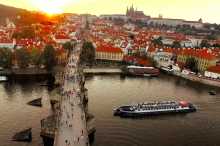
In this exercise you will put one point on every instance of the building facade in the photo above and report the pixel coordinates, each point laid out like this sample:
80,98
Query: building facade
109,53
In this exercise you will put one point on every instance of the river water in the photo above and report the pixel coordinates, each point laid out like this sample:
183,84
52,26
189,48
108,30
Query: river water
201,128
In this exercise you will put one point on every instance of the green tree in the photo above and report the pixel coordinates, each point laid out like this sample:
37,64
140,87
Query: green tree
87,55
35,56
5,58
176,44
49,57
158,41
192,64
68,46
23,57
205,44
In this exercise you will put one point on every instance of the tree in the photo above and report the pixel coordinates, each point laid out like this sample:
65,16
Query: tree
176,44
23,57
192,64
5,58
205,44
35,56
158,41
68,46
216,45
87,55
49,57
211,37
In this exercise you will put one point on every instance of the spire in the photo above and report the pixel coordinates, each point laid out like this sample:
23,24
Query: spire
127,11
132,7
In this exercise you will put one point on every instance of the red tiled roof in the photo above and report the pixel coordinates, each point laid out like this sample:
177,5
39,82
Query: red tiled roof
215,69
61,37
108,48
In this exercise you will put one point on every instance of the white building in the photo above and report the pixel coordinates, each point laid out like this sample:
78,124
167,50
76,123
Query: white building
7,44
213,72
187,43
163,58
175,22
61,39
114,16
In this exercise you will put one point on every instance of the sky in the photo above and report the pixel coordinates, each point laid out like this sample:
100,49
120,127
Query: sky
208,10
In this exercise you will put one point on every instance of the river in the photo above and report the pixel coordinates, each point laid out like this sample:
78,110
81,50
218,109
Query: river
201,128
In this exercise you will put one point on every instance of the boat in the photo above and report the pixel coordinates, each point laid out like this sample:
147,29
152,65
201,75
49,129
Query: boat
3,78
154,108
36,102
166,70
142,71
23,136
212,92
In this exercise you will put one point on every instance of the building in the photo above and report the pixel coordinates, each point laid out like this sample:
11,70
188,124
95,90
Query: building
213,72
204,57
114,17
61,39
165,21
109,53
163,58
134,14
5,43
175,22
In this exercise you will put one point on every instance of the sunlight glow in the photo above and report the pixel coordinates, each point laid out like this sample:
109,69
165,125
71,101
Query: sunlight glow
50,6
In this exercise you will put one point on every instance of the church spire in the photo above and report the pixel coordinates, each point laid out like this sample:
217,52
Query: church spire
132,7
127,11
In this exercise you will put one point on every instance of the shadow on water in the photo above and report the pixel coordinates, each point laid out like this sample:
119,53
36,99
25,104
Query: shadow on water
157,117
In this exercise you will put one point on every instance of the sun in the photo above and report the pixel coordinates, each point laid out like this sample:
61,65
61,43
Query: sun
50,6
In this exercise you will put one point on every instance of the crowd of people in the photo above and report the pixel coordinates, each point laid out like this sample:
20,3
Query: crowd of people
71,109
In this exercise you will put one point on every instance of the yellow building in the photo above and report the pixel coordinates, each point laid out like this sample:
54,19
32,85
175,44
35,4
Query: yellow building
109,53
204,58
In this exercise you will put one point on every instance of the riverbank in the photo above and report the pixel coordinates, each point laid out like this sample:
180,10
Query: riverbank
195,78
101,71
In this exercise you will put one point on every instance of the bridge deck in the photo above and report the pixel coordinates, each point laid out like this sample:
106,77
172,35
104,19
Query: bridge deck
72,127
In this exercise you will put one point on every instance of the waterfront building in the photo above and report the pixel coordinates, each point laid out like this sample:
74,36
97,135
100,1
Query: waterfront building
213,72
204,57
163,58
109,53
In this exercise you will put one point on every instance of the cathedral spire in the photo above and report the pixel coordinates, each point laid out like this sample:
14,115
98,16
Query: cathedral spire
132,7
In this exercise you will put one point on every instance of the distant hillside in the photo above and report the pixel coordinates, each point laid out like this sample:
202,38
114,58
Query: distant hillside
25,17
9,12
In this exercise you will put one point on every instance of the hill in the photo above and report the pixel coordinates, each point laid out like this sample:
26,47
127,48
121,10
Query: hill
9,12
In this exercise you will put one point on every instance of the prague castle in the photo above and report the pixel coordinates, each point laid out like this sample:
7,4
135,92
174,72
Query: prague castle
134,13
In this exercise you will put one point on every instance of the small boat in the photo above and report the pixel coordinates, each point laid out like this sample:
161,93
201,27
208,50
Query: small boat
36,102
212,92
3,78
23,136
154,108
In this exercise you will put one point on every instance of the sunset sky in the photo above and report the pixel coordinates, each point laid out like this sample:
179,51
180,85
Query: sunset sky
208,10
